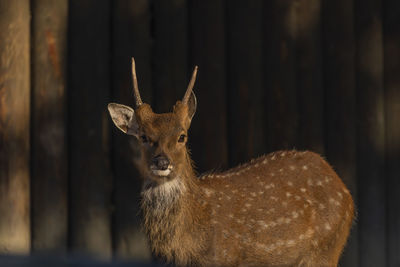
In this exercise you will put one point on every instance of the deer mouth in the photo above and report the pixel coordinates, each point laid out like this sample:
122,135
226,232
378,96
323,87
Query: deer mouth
159,172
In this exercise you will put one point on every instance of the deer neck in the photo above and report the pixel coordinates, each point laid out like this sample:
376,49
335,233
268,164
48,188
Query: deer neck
168,216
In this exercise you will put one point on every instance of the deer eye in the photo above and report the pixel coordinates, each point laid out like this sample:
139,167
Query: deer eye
144,139
181,138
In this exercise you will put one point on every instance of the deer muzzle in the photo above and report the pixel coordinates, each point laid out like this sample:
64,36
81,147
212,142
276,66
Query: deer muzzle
160,166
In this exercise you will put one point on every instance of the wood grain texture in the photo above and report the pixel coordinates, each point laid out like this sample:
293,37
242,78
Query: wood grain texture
370,133
131,36
340,100
208,134
309,76
90,175
14,127
392,129
49,147
280,74
246,93
170,50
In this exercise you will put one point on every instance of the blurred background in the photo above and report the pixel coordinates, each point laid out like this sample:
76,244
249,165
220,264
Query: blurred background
321,75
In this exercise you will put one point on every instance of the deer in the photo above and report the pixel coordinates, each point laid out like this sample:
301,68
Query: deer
286,208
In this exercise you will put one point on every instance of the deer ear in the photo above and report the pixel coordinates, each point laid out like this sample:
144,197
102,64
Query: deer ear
192,105
124,118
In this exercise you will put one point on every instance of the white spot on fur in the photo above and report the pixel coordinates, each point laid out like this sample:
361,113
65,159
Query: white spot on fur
265,161
309,182
208,192
290,183
302,189
288,194
327,226
309,232
271,210
290,243
340,195
292,167
283,154
305,167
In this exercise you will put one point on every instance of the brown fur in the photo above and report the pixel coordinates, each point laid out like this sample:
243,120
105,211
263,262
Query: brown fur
287,208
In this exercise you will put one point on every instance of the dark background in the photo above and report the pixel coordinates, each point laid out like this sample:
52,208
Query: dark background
322,75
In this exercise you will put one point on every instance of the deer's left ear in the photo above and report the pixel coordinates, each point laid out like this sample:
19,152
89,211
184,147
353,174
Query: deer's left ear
124,118
192,105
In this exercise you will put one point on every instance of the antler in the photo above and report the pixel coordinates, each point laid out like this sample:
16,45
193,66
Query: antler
136,94
190,86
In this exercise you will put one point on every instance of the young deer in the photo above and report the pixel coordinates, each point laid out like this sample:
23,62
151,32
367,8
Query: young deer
287,208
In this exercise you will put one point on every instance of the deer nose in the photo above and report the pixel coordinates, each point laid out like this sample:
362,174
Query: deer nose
161,162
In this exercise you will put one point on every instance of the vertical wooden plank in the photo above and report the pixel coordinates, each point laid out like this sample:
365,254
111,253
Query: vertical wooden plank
131,36
309,79
392,133
49,151
339,83
245,80
208,135
14,126
370,133
170,53
280,73
90,179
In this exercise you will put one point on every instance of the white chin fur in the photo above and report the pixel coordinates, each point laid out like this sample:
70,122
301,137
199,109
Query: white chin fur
161,172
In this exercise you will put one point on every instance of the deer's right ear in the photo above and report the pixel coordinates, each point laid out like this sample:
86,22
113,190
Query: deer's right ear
124,118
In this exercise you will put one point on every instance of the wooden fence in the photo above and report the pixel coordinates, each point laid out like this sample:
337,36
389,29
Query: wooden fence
322,75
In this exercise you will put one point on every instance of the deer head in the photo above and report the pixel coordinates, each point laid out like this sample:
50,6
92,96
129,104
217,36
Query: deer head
162,137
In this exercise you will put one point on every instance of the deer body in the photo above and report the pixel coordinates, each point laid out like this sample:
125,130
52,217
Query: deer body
287,208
